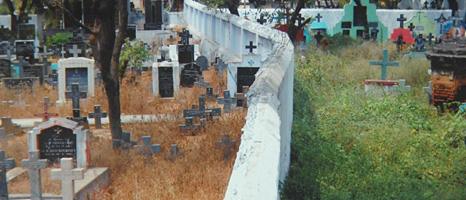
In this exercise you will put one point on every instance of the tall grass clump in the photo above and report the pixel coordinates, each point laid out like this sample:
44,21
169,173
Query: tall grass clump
348,145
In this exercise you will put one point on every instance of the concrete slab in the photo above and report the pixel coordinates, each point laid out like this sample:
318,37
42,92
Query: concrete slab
94,180
14,173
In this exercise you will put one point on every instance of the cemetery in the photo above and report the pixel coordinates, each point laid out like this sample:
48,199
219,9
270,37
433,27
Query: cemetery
305,99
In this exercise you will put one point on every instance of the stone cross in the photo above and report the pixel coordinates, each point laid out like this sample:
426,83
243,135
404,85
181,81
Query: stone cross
5,164
251,47
189,125
430,37
147,148
318,17
227,144
241,98
76,95
384,64
401,19
411,27
227,101
34,164
261,20
98,114
62,51
300,19
67,174
46,115
202,112
75,51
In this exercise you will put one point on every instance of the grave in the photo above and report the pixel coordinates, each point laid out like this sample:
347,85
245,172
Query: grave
5,164
67,175
60,138
75,94
189,74
318,25
165,79
401,35
10,127
24,48
46,115
72,70
153,14
97,115
201,111
147,148
244,73
202,62
384,64
5,68
227,101
33,164
423,24
358,16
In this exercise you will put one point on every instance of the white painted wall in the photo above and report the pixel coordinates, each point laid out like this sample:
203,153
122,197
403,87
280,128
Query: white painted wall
264,154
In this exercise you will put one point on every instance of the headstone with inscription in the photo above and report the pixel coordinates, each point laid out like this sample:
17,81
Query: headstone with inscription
75,70
60,138
165,79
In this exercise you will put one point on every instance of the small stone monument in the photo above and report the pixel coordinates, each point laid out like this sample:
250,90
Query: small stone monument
67,175
165,79
75,70
98,115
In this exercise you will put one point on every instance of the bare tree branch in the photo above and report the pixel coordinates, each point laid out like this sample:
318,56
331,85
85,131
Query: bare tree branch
68,13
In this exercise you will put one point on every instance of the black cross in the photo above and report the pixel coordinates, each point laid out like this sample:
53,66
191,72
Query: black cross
433,4
5,164
227,101
411,27
97,114
189,125
261,20
202,112
401,19
287,15
251,47
430,37
318,17
185,35
441,19
300,19
76,95
426,5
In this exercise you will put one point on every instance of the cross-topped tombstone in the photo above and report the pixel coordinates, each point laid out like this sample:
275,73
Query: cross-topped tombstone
227,101
433,4
5,164
33,165
185,35
384,64
251,47
147,148
189,125
209,92
75,51
227,144
261,20
401,19
98,115
318,17
46,115
3,139
67,174
76,95
241,98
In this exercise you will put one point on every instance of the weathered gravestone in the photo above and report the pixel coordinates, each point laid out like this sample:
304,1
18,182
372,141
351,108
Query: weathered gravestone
5,164
358,14
202,62
185,54
33,165
60,138
97,115
201,111
165,79
189,74
24,48
153,14
75,70
75,94
189,125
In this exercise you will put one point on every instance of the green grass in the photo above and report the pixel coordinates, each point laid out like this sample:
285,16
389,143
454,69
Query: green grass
347,145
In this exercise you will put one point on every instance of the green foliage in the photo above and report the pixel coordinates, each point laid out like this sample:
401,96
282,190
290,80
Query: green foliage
347,145
133,55
59,39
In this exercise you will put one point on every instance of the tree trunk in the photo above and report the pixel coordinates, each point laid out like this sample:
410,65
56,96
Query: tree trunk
11,9
108,54
233,7
292,28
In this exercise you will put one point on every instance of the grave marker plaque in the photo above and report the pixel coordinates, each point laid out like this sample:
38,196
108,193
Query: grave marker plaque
185,54
166,88
76,75
56,142
246,76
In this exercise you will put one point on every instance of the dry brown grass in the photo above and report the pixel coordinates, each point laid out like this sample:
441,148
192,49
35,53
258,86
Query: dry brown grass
198,173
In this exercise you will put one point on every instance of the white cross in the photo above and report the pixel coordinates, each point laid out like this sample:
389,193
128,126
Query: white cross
75,51
33,164
67,175
63,52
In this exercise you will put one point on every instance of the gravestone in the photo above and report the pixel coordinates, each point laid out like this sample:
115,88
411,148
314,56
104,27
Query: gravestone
189,74
75,94
67,174
201,111
244,73
60,138
227,101
75,51
189,125
26,31
202,62
174,151
153,14
98,115
5,164
318,25
185,54
25,48
384,64
75,70
33,165
357,16
165,79
147,148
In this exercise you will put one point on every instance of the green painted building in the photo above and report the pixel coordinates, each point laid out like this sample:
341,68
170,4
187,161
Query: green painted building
423,25
359,20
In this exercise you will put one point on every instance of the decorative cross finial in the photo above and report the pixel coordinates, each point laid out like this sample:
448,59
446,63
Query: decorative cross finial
75,50
401,19
300,19
426,5
411,27
384,64
5,164
34,164
261,20
227,101
251,47
319,17
67,174
98,115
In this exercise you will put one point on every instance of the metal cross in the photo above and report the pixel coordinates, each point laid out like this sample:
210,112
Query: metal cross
384,64
46,115
202,112
98,115
147,148
319,17
251,47
76,95
401,19
185,35
426,5
411,27
261,20
189,125
227,101
75,51
67,174
227,144
5,164
300,19
34,164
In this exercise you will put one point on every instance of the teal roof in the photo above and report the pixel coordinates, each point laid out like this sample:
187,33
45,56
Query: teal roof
318,25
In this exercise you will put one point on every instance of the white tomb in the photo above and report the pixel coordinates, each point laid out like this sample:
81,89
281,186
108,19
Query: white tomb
167,74
72,70
243,73
49,134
